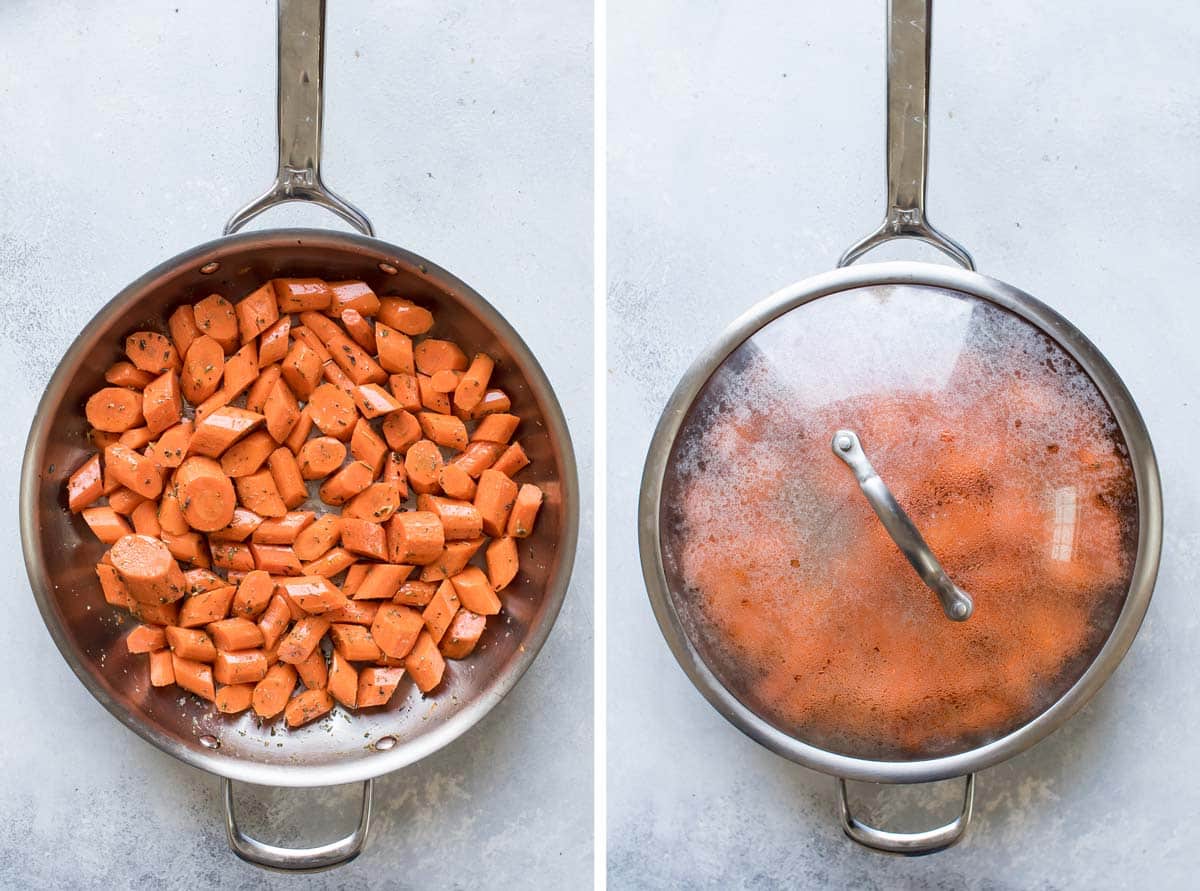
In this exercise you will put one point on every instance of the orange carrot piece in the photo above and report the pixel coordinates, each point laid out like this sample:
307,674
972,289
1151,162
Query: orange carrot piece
377,684
256,312
359,329
276,559
333,411
499,427
241,370
151,352
260,389
524,512
425,663
162,668
513,459
273,343
221,429
307,707
85,485
495,498
451,561
382,581
238,633
162,402
283,530
281,410
259,493
240,666
316,539
440,612
247,455
415,593
502,562
253,595
445,430
303,639
320,457
346,483
330,563
233,699
301,294
374,401
478,457
461,520
148,570
301,369
473,384
355,643
367,446
343,680
405,316
274,620
240,528
395,350
475,592
415,537
462,635
354,295
146,639
106,524
206,607
195,677
145,519
205,493
203,367
375,503
313,594
432,355
183,328
407,390
401,429
231,556
422,464
272,692
216,317
456,482
285,471
114,409
432,398
364,538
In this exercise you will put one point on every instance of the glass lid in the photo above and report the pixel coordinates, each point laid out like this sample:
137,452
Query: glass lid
898,522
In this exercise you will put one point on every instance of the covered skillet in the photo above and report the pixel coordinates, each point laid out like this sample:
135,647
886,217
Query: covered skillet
902,520
59,554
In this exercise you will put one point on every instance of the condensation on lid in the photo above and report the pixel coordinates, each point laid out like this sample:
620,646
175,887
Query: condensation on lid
1002,451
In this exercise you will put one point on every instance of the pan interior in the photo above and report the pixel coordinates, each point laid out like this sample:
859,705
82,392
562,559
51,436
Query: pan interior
995,441
61,553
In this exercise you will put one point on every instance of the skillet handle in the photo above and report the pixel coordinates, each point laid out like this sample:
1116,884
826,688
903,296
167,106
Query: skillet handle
297,859
909,843
908,42
301,101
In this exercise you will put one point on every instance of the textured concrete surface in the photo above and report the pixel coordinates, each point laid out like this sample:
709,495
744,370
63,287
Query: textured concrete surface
127,135
746,151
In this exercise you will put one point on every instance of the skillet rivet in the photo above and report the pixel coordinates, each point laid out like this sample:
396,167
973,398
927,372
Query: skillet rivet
384,743
210,268
210,742
388,268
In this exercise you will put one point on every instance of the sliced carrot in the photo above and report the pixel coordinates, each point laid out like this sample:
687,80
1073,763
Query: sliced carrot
114,590
205,493
395,350
346,483
374,401
320,457
461,520
354,295
106,524
502,562
256,396
183,328
124,500
495,498
285,471
187,548
462,635
216,401
401,429
354,642
313,673
478,457
316,539
147,568
256,312
221,429
283,530
432,355
313,594
133,470
202,580
307,707
259,493
171,447
238,633
367,446
248,455
240,666
273,343
155,613
451,561
162,668
253,595
145,519
170,512
330,563
416,593
445,381
499,427
513,459
203,367
375,503
233,699
343,680
440,611
405,316
524,512
85,486
473,384
415,537
195,677
232,556
432,398
359,329
394,473
271,694
240,528
377,685
301,294
355,612
302,369
151,352
190,643
445,430
137,438
216,317
493,401
303,639
364,538
114,409
126,374
198,610
241,370
422,464
456,482
382,581
274,620
407,390
276,559
425,663
333,411
281,410
475,592
299,434
145,639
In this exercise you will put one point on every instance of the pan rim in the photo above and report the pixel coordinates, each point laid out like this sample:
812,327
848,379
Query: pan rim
1120,638
409,751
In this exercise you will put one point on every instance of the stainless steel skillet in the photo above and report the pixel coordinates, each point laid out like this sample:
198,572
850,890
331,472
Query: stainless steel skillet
60,553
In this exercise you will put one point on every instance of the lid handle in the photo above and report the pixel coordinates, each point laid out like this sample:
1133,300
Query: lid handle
956,602
908,41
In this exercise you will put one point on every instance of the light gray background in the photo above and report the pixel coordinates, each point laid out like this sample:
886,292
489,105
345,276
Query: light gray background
129,133
746,152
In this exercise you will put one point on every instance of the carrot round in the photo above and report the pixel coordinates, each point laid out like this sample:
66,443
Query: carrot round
203,367
162,402
205,493
422,463
415,537
401,429
333,411
151,352
320,457
346,483
253,594
147,568
216,317
114,409
272,692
